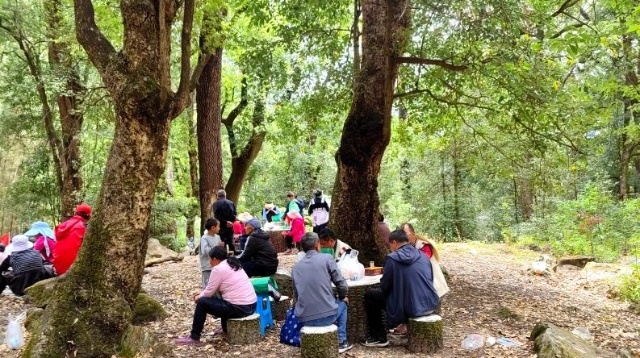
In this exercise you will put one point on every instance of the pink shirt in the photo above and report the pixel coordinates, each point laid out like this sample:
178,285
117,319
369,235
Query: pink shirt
234,286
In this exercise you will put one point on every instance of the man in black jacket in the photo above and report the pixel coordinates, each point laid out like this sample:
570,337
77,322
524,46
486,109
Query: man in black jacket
225,211
259,257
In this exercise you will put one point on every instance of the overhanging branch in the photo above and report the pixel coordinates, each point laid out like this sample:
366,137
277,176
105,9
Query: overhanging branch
427,61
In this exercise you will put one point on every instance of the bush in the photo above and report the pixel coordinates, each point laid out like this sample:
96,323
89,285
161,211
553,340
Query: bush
630,288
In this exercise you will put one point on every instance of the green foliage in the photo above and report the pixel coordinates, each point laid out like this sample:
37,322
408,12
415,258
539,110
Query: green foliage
630,286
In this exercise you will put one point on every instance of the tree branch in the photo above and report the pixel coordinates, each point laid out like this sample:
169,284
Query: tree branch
185,65
98,48
240,107
449,102
426,61
567,4
195,76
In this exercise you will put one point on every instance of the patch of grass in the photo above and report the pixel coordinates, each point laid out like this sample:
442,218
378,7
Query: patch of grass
505,313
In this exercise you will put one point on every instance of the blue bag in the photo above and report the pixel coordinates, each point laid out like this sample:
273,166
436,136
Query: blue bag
290,332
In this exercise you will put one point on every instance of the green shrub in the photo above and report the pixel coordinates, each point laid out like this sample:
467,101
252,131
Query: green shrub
630,288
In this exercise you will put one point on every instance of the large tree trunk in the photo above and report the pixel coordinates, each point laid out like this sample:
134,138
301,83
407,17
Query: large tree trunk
241,160
192,152
92,305
367,130
209,139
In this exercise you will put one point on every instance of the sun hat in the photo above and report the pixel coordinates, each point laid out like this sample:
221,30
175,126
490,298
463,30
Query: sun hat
83,209
42,228
268,206
244,217
19,243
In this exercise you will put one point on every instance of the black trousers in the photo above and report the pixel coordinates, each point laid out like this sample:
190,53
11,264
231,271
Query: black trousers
374,305
227,237
218,308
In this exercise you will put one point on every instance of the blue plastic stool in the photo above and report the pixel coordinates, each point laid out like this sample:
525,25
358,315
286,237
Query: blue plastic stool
263,308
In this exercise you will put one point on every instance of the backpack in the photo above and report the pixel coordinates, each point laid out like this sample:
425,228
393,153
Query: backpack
300,203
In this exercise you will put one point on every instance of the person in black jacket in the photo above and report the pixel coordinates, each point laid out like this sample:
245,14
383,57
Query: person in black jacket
225,211
27,266
259,257
406,290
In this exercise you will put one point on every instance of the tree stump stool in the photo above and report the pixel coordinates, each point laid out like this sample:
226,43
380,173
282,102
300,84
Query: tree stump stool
279,309
244,330
319,342
425,334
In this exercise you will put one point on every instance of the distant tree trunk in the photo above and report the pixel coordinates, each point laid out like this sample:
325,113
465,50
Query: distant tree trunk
93,302
192,152
628,144
71,116
525,191
242,159
457,216
209,137
367,129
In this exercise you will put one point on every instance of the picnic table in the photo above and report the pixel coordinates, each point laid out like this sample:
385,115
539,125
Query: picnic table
356,315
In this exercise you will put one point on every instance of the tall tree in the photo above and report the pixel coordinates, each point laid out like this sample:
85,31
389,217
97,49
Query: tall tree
367,130
92,305
65,145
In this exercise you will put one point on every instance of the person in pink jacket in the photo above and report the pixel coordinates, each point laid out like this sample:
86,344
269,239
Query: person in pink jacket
296,232
228,281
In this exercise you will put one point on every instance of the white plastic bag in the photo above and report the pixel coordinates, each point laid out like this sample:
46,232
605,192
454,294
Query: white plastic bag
439,282
350,267
14,337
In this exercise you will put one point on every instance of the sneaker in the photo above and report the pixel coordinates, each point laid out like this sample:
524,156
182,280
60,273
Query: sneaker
400,330
372,342
344,346
274,293
188,341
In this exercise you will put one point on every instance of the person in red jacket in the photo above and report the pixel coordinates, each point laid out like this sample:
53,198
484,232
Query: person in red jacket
69,236
296,232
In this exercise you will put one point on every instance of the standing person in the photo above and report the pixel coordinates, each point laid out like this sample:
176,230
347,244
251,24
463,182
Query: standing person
294,235
406,290
208,241
238,296
69,235
319,211
259,257
27,266
294,204
225,211
45,239
332,246
316,305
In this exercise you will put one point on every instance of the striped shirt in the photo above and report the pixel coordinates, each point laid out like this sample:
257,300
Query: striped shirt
22,261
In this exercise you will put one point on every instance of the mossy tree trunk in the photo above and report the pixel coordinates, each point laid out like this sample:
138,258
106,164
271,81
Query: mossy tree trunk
367,130
92,305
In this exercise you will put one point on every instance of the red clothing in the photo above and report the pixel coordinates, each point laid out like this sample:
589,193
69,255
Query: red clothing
69,235
238,228
297,229
39,246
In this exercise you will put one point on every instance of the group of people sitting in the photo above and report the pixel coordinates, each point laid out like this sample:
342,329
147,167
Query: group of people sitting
407,288
41,253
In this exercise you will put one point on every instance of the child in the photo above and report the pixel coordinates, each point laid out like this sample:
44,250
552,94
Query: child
209,240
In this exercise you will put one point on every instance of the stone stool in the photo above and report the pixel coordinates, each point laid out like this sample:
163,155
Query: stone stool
244,330
319,342
279,309
424,334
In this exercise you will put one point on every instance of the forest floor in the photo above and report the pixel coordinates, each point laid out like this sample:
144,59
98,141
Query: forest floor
491,294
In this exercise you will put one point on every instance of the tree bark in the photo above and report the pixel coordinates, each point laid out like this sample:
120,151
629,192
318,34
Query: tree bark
241,160
209,138
192,152
93,304
367,129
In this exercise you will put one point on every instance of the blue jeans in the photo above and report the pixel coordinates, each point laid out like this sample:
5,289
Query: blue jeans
340,319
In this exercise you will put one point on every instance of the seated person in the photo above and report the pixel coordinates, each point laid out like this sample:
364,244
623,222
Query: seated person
269,212
232,283
292,236
406,290
332,246
27,266
259,257
45,240
316,305
3,253
420,242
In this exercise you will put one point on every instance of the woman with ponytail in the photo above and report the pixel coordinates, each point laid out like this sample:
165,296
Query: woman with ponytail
229,294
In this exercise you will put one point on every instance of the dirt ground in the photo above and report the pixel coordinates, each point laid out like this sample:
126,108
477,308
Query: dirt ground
491,294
